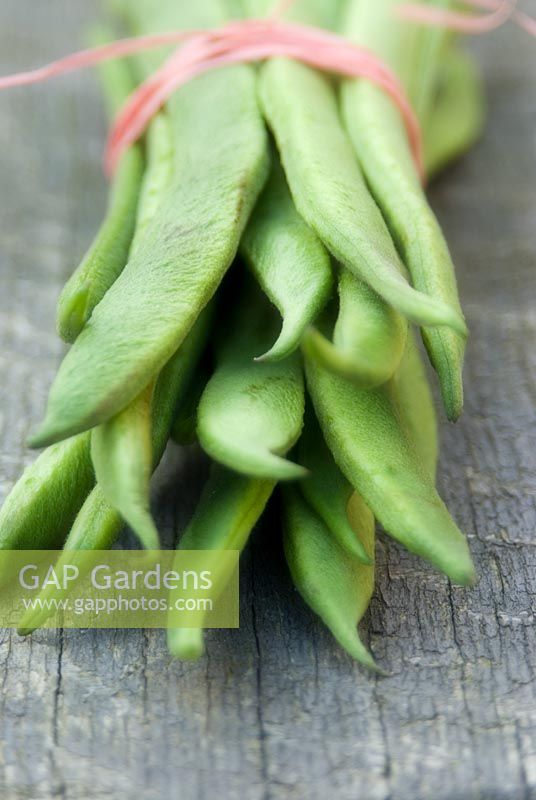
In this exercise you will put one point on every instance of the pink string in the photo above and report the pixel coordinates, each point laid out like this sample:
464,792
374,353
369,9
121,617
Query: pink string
519,17
238,42
94,56
248,42
500,12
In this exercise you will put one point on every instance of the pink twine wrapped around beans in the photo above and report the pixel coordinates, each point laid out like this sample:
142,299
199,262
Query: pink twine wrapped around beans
244,41
256,40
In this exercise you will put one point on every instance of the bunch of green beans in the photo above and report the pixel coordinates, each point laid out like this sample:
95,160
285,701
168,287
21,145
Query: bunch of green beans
302,368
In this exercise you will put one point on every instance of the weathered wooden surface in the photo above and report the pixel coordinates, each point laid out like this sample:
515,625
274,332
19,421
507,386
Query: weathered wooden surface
276,710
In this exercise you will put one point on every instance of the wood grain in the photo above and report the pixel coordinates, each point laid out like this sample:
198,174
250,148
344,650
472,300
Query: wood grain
275,710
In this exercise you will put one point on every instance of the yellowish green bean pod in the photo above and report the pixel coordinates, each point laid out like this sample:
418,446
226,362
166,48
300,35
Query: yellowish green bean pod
224,518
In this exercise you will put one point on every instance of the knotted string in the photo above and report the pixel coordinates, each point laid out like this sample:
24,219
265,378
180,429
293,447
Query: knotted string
245,41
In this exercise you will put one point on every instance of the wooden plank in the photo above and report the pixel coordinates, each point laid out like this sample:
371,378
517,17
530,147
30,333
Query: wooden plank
276,710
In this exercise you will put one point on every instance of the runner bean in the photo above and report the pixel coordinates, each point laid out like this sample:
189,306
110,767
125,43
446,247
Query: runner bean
417,409
108,254
251,413
181,259
41,507
368,338
98,524
121,451
363,430
329,190
380,141
335,584
158,174
289,261
225,516
121,447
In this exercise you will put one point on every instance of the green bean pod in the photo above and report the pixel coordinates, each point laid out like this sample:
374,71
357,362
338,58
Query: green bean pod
41,507
289,262
225,516
183,255
95,528
251,413
327,491
381,144
121,448
368,337
108,254
371,334
329,190
457,117
171,387
122,454
335,584
98,524
364,431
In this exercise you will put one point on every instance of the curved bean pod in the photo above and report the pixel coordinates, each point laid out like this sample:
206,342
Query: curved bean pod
98,524
225,516
330,192
180,261
332,582
380,142
363,431
121,447
122,454
364,318
251,413
289,262
368,339
108,254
